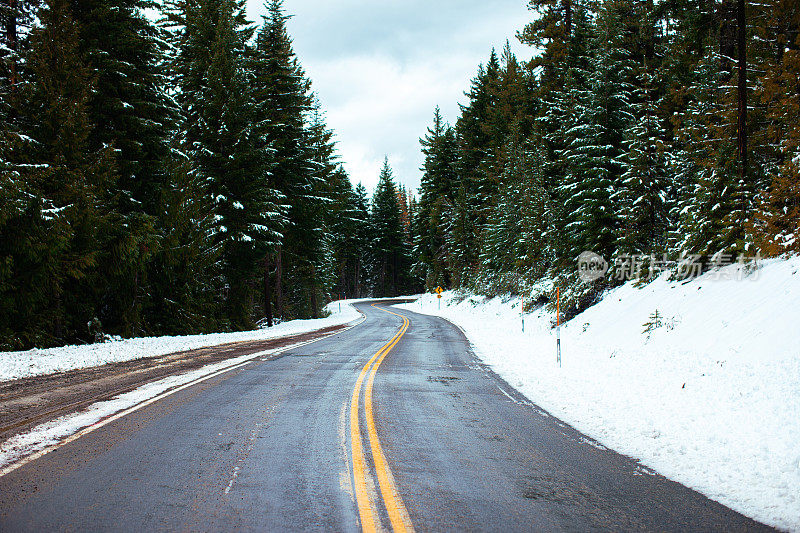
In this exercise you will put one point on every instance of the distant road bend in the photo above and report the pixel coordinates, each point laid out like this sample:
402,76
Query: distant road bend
391,425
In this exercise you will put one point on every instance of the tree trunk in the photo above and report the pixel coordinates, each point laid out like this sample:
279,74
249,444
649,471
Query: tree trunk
279,282
314,300
267,292
343,289
726,16
568,19
11,38
357,279
382,279
742,89
395,274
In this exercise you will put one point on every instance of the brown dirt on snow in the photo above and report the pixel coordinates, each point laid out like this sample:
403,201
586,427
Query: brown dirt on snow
27,402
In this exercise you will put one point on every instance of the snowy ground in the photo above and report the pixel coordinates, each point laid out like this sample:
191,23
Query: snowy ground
710,399
47,436
14,365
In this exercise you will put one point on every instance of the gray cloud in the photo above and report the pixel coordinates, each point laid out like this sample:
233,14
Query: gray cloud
380,68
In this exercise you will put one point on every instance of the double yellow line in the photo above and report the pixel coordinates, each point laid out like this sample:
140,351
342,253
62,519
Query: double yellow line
398,514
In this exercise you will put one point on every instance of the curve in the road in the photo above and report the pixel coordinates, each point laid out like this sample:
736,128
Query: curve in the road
398,514
267,447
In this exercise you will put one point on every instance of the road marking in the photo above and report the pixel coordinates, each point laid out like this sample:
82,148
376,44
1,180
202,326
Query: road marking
365,509
398,514
516,401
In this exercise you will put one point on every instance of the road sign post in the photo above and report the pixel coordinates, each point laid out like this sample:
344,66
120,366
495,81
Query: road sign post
522,313
439,291
558,326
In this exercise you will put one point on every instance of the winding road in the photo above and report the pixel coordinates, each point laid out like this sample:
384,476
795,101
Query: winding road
390,425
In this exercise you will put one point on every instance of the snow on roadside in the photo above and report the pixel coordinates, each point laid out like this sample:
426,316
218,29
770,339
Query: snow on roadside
710,399
48,435
15,365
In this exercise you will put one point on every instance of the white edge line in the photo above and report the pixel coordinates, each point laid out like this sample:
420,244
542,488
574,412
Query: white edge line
97,425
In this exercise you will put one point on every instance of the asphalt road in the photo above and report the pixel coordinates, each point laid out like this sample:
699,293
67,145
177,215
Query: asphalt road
392,424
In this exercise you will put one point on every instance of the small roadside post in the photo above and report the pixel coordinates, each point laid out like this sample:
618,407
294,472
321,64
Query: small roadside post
558,326
439,291
522,313
341,296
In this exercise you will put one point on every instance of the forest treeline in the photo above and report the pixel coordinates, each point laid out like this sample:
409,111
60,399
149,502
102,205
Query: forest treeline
179,176
666,128
173,177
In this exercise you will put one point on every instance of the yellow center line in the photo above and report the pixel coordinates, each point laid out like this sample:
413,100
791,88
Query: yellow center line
365,509
398,514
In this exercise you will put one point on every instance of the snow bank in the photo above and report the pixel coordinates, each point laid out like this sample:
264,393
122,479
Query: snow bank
47,436
711,398
14,365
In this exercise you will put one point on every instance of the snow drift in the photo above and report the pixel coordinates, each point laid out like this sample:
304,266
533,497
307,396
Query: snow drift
14,365
708,394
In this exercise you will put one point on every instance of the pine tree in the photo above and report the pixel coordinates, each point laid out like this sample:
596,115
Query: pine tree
130,105
66,181
342,225
282,95
474,166
705,164
388,245
777,145
223,138
437,190
516,238
307,243
592,152
361,241
552,32
646,196
132,113
185,269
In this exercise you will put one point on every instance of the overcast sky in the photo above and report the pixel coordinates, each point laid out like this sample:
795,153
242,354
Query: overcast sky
380,67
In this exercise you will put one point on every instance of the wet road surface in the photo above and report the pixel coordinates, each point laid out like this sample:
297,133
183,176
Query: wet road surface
392,424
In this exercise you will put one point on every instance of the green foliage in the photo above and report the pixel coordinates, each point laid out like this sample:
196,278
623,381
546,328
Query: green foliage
389,245
620,137
168,178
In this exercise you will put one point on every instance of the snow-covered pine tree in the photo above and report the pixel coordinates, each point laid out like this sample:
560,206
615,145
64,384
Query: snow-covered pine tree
67,181
561,84
19,204
132,113
222,138
361,241
130,105
705,168
307,244
776,145
716,202
436,190
516,239
343,219
184,276
646,196
475,154
283,99
594,143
